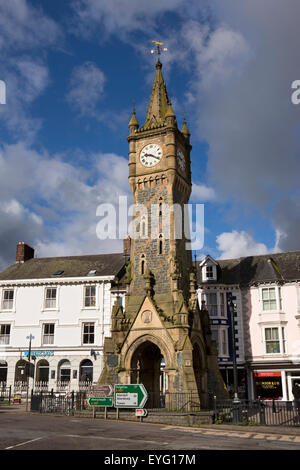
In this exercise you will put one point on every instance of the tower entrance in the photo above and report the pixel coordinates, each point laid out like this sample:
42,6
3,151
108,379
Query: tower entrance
147,368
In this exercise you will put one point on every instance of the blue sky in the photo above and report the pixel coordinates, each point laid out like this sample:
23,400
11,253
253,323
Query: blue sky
72,71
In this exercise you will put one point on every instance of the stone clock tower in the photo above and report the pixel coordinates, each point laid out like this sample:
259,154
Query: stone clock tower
161,338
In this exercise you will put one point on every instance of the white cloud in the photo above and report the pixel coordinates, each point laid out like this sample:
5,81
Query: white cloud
202,193
86,88
119,17
23,26
47,183
237,244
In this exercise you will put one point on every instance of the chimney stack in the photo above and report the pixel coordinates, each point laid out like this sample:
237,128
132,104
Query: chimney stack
127,245
24,252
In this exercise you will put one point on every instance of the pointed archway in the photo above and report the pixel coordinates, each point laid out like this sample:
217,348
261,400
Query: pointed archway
146,368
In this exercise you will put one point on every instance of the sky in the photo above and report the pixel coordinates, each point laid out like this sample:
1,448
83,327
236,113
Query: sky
72,72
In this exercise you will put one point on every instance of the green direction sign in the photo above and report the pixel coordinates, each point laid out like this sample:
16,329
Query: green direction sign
100,401
130,396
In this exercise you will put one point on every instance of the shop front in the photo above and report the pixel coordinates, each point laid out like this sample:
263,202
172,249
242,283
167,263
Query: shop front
268,385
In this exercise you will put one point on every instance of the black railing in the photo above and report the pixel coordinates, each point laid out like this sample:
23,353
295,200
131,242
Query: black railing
243,412
5,395
256,412
58,402
176,402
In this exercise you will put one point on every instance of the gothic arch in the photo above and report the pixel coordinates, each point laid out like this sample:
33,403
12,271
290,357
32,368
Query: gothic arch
142,339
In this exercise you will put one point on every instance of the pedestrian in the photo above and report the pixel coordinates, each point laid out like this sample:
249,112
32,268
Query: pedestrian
296,393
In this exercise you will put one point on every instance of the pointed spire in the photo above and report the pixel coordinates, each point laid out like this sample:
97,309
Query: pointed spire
133,121
170,111
185,130
159,101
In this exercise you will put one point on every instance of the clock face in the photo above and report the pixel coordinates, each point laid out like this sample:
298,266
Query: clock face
150,155
180,159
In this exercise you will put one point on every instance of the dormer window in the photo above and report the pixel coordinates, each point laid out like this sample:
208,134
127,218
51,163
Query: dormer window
209,269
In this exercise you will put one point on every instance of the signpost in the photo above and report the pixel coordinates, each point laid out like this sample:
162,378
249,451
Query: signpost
124,396
101,390
130,396
101,395
100,401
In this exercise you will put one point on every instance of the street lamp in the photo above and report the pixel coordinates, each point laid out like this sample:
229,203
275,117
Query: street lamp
30,337
236,401
234,366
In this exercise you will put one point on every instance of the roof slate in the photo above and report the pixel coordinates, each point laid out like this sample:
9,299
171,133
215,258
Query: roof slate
72,266
251,269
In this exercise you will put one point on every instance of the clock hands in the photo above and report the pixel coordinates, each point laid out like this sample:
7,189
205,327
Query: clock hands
150,155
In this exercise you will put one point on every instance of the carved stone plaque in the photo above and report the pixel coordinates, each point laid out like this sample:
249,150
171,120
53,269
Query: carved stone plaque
147,316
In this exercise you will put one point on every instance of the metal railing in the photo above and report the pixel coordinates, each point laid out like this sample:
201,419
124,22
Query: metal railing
173,402
256,412
58,402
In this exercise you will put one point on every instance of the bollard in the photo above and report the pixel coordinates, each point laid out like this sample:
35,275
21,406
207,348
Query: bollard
262,417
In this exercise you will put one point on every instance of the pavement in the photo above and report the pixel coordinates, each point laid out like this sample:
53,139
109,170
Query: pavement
34,431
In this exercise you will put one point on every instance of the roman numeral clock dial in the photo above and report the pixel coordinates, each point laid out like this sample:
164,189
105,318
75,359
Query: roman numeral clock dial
150,155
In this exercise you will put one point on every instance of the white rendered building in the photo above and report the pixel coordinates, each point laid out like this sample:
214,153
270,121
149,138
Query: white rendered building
65,304
266,292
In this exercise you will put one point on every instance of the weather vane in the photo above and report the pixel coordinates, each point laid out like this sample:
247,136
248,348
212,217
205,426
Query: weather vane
158,49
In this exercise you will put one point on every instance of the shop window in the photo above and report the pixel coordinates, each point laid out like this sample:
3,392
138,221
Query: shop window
3,371
268,385
42,371
86,371
65,371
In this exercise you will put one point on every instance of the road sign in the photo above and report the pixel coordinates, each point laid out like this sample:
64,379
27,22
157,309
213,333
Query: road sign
130,396
100,401
101,390
141,412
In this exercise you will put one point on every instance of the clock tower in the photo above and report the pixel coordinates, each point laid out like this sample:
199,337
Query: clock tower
161,338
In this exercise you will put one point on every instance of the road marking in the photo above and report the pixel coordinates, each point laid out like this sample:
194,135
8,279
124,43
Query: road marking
241,434
23,443
113,439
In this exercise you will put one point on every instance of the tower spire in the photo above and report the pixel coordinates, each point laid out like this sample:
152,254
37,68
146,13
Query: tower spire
159,103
